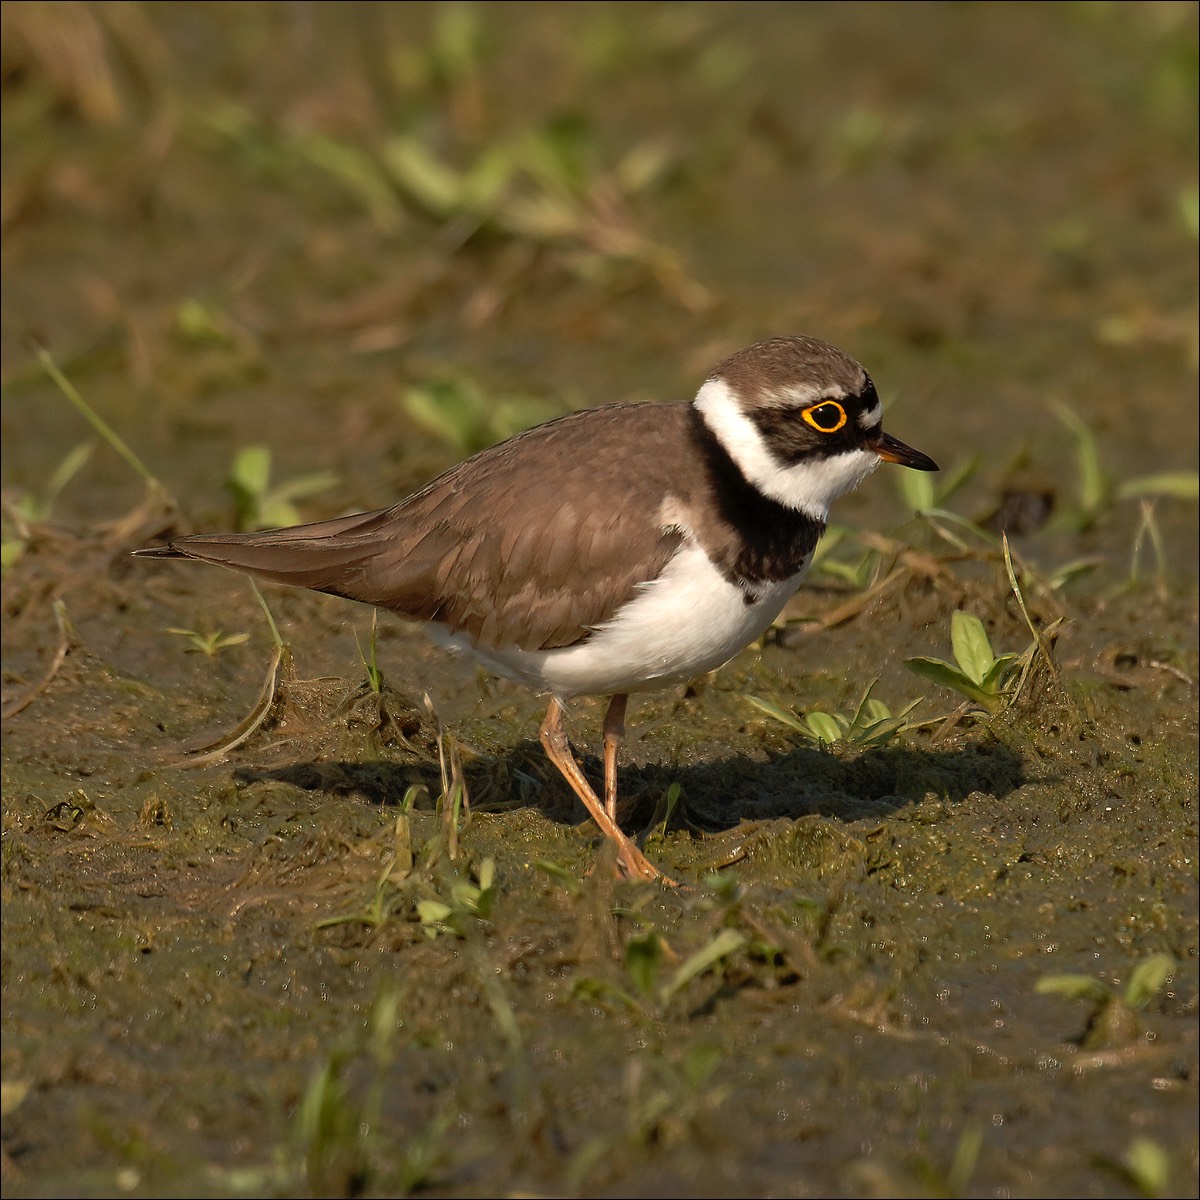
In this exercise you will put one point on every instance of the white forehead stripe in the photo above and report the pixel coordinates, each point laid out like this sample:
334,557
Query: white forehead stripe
800,394
870,418
810,487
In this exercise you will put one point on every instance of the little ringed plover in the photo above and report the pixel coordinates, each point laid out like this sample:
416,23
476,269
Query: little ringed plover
613,550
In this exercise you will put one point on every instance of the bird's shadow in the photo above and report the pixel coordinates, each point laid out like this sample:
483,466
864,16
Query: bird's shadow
715,795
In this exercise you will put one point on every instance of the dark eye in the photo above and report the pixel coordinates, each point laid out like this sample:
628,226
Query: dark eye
828,416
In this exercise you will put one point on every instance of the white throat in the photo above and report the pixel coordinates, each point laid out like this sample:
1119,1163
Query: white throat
809,487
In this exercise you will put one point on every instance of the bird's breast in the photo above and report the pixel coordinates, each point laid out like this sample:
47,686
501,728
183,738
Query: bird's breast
690,620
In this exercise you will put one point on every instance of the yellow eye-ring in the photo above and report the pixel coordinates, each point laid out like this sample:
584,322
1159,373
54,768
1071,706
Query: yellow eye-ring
828,416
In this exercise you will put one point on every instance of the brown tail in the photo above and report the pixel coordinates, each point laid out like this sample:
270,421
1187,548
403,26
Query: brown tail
323,555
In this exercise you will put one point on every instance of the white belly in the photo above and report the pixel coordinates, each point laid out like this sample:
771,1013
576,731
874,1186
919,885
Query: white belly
688,621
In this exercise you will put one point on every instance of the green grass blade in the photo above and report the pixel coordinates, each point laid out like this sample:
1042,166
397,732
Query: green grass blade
724,944
97,422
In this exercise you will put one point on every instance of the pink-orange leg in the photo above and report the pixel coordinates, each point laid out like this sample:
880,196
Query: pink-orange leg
630,860
614,731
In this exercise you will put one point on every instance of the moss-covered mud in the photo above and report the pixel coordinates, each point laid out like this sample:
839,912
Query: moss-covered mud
285,969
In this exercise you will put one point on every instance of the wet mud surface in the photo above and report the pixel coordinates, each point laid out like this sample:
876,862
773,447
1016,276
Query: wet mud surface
254,941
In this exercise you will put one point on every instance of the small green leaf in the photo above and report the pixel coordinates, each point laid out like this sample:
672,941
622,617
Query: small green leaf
879,733
941,672
251,470
545,217
643,167
559,874
10,552
591,988
1063,575
1149,1167
947,676
972,650
305,485
855,574
487,874
203,323
465,895
1147,979
860,713
1074,987
489,179
454,411
824,728
437,188
670,804
559,153
358,172
966,1158
998,672
12,1095
1180,485
433,912
643,960
783,715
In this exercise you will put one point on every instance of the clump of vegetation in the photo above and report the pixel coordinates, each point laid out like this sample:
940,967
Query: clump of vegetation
1145,1165
333,1146
258,504
458,412
978,673
654,973
466,900
870,725
30,509
25,512
1113,1020
208,643
429,881
1098,490
375,681
547,187
665,1097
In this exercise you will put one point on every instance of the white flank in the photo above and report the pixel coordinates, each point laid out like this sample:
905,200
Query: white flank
688,621
809,487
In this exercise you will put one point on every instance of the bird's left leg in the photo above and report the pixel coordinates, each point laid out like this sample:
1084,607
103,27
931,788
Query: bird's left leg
614,731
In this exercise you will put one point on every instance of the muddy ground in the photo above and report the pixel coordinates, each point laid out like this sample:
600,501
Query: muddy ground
371,238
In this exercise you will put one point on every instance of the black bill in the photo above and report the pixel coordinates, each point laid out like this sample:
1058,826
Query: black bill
893,450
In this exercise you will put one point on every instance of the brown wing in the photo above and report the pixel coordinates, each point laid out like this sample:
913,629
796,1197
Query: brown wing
532,542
